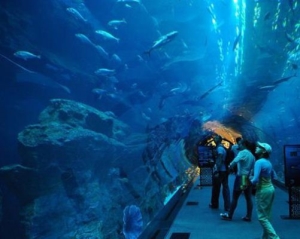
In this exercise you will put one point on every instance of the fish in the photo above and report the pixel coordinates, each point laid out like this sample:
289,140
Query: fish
291,5
145,117
76,14
107,36
180,89
83,38
209,9
267,87
25,55
236,41
116,59
289,37
164,97
133,86
116,23
294,66
105,72
98,93
163,40
276,82
210,90
176,89
128,1
101,51
141,93
140,58
267,16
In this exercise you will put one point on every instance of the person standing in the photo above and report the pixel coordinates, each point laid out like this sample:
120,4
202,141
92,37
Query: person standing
265,191
235,148
220,176
245,162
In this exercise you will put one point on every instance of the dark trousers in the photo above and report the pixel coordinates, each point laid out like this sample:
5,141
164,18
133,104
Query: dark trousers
222,179
236,194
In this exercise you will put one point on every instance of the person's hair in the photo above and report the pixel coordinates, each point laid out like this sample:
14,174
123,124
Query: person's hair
249,145
238,139
218,137
265,155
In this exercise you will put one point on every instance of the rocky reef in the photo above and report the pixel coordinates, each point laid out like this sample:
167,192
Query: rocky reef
81,168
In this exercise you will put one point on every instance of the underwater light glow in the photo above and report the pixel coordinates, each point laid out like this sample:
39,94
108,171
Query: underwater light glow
276,17
211,9
213,21
218,128
240,14
256,15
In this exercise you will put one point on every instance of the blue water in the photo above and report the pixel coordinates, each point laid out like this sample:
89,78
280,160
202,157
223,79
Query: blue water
164,90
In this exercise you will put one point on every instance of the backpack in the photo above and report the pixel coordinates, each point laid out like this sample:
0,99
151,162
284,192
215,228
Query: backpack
229,156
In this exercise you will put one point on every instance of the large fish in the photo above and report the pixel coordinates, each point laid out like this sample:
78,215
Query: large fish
210,90
128,1
76,14
116,23
267,87
101,51
236,41
276,82
289,37
105,72
83,38
26,55
163,40
107,36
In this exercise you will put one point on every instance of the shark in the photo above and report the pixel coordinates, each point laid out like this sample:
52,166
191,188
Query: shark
163,40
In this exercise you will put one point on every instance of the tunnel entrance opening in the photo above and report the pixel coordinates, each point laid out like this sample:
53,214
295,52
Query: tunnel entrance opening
209,129
214,127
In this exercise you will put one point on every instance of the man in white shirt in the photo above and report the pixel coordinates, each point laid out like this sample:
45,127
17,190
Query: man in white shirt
245,163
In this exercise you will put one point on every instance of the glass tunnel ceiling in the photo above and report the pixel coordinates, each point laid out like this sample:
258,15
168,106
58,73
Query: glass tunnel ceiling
265,53
255,51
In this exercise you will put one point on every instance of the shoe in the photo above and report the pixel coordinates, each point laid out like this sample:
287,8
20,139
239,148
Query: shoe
246,219
225,216
212,206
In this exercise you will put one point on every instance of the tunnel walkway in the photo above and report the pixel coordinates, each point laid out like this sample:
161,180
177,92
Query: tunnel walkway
195,220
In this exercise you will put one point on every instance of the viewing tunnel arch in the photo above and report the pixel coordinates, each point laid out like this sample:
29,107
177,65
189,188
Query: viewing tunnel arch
200,133
229,128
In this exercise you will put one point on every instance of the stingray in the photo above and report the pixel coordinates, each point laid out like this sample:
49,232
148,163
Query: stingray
35,77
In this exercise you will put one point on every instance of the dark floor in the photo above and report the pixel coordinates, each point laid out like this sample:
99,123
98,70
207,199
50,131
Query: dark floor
196,220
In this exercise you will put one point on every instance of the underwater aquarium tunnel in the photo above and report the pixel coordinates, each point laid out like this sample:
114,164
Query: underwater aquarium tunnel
104,103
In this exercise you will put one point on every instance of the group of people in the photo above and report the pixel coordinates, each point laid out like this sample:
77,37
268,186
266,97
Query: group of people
253,170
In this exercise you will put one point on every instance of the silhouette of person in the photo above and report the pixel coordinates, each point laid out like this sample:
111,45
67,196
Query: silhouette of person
220,176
